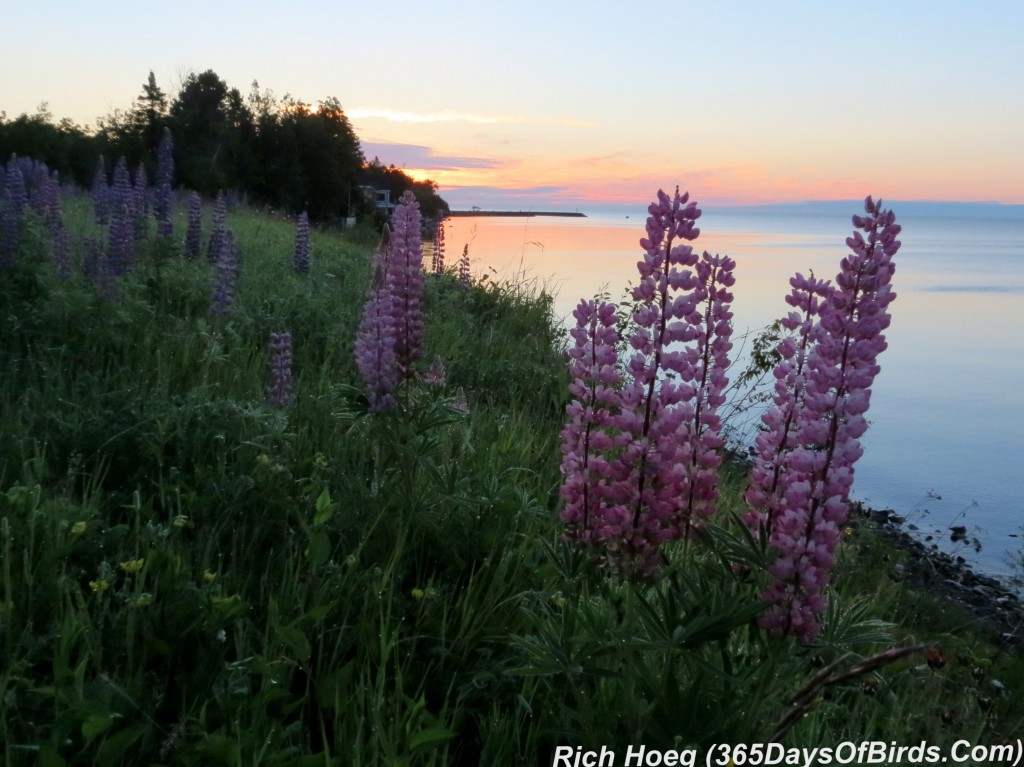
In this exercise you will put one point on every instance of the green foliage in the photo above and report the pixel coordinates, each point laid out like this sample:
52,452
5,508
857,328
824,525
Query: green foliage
280,152
64,146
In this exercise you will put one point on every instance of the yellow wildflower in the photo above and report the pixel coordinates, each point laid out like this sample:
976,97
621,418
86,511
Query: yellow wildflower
132,565
209,576
100,584
78,528
418,593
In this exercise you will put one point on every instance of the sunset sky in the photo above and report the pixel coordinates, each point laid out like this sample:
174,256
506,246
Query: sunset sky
573,104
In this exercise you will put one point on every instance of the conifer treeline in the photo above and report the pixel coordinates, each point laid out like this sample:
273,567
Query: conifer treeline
279,151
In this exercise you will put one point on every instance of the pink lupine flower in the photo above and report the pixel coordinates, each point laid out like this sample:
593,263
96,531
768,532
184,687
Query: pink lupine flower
376,338
390,335
641,450
775,444
437,258
804,490
465,279
589,488
668,405
404,278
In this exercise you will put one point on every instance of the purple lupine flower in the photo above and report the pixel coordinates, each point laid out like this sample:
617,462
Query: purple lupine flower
227,269
464,277
194,233
300,258
773,445
13,200
641,454
376,338
817,474
121,241
703,426
101,195
164,184
37,185
437,260
53,216
33,174
656,399
15,187
123,196
404,276
279,392
594,510
220,217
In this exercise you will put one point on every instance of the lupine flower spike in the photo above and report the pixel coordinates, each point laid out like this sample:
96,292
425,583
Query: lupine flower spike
641,451
220,218
279,392
300,258
465,279
227,275
404,277
804,491
437,261
121,240
376,337
592,487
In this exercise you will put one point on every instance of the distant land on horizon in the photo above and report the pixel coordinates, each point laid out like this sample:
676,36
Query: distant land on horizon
520,213
914,208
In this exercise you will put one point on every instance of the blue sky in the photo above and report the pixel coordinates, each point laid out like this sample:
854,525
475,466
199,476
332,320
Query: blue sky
569,104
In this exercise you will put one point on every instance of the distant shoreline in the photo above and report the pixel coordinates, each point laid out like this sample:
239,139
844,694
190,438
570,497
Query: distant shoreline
520,213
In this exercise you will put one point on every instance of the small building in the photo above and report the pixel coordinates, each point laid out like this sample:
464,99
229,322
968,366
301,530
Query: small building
381,198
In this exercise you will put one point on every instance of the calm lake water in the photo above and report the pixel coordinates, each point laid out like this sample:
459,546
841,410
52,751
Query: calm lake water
947,411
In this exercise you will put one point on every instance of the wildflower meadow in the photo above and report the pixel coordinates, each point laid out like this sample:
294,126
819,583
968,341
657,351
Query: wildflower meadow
275,494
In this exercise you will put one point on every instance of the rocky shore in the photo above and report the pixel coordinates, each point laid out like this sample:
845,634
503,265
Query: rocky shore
998,608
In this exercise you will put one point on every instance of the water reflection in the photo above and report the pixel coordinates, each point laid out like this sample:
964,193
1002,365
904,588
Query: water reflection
947,410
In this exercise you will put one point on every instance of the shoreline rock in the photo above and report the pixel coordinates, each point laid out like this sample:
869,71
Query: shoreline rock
996,605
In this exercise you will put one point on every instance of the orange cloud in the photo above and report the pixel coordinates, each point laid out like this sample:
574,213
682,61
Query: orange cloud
629,177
